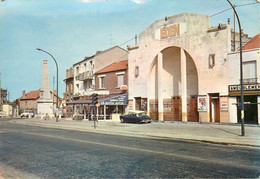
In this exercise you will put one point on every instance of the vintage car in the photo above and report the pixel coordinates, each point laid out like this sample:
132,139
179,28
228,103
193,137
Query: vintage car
136,117
27,114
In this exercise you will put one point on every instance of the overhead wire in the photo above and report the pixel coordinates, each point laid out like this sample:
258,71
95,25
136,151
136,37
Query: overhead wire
234,6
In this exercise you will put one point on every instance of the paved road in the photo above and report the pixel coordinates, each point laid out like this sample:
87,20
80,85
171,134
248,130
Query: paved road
35,152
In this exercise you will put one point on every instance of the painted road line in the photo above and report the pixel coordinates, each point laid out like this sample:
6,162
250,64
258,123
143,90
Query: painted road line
194,158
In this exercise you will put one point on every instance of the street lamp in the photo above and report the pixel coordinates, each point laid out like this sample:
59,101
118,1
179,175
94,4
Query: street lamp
57,102
241,74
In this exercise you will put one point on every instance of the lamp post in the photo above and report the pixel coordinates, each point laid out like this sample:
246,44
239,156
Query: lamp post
57,102
241,73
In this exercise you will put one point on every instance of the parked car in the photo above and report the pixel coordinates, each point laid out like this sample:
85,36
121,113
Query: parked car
136,117
27,114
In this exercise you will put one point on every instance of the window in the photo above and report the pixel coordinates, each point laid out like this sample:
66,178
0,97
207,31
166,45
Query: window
249,72
102,82
211,60
77,85
67,89
77,70
120,80
136,71
85,85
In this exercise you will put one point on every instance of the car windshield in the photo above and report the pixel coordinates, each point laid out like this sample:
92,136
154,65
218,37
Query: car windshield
140,114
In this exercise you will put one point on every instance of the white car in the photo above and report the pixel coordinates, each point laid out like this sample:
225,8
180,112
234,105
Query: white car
27,114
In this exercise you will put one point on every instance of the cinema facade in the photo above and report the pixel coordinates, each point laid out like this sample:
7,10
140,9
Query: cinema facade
180,71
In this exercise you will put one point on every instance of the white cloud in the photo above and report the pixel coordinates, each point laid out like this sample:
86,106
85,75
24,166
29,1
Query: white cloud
139,1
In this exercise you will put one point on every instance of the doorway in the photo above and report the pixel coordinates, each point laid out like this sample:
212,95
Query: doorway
214,107
250,105
138,103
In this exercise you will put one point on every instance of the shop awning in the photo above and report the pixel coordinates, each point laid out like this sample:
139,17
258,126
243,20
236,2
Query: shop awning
116,100
109,100
80,102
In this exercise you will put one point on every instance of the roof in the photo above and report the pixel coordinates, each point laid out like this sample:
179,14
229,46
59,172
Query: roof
99,52
31,95
253,43
121,65
85,59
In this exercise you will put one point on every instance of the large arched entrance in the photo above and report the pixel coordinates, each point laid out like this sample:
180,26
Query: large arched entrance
173,86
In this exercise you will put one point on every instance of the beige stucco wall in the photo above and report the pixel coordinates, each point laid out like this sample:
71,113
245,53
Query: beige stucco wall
7,109
198,40
108,57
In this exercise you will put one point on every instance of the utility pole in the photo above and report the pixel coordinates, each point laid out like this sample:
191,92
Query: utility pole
234,37
0,94
53,93
241,74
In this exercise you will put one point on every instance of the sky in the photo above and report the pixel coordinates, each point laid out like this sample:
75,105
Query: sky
73,29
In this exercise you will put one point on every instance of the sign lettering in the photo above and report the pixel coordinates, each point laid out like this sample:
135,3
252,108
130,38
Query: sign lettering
253,87
170,31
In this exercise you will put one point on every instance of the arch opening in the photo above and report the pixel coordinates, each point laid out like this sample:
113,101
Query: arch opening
173,86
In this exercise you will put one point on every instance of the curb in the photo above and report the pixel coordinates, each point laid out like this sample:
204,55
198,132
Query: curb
133,135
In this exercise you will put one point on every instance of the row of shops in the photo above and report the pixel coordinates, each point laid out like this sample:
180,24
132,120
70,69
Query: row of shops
109,107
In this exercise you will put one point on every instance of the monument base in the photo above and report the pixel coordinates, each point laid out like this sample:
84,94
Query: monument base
45,109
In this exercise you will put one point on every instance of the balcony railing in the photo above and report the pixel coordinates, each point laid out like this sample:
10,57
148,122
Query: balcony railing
85,76
250,81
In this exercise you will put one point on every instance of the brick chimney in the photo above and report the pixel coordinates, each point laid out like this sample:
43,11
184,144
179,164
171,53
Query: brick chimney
23,93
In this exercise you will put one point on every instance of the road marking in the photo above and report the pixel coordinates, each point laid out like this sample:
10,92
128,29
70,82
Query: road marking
217,161
3,131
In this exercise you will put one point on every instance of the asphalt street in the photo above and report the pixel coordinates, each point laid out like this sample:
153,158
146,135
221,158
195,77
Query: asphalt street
37,152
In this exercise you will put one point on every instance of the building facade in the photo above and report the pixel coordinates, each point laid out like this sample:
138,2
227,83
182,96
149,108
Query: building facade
68,95
113,80
85,82
251,76
28,101
180,70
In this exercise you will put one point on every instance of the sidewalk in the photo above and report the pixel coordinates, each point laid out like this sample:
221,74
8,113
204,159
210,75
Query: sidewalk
212,132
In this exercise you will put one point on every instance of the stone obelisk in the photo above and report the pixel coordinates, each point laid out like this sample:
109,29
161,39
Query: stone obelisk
45,103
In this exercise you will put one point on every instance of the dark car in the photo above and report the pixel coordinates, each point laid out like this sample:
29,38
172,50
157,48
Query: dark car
136,117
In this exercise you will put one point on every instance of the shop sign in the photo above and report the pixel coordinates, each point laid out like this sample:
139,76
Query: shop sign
170,30
253,89
117,100
131,104
123,87
202,103
224,104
